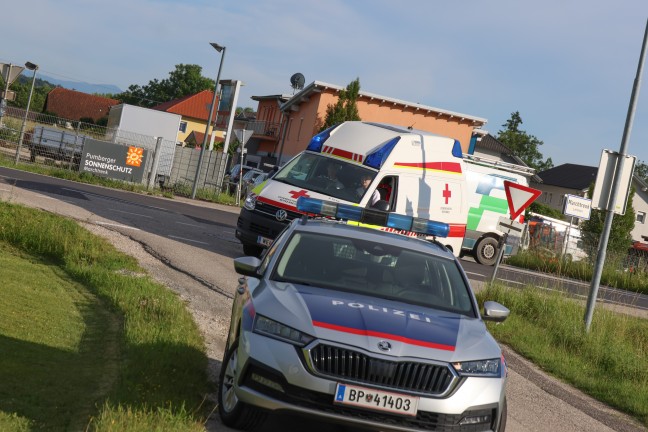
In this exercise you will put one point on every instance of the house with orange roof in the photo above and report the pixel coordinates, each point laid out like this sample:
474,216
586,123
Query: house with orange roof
194,110
76,105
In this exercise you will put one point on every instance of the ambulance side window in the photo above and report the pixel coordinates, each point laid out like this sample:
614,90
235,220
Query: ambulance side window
388,188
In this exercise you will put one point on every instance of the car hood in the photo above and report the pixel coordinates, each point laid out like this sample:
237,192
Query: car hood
363,321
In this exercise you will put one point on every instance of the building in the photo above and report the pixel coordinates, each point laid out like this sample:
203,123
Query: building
573,179
287,123
194,110
76,105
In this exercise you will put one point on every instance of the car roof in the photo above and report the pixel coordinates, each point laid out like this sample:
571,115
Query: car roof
337,228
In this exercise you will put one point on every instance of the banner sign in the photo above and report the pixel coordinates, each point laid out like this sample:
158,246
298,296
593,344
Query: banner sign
115,161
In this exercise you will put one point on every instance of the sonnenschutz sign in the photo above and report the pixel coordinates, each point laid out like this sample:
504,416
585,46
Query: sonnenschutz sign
120,162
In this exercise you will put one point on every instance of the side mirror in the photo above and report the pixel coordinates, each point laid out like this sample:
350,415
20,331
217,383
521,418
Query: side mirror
381,205
247,266
494,311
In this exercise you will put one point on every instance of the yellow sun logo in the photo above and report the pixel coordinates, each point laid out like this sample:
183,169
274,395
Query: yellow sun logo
134,156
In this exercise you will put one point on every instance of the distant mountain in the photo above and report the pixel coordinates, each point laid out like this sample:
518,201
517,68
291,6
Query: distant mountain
82,86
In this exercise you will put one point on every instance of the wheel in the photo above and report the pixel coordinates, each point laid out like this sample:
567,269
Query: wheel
252,250
486,251
233,412
502,422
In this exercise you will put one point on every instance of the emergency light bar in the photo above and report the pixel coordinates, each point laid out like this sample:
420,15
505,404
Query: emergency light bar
373,217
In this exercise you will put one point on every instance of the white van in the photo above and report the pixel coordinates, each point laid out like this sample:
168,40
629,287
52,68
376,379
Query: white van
415,172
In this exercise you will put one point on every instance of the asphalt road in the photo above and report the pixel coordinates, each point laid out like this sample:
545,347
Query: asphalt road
193,244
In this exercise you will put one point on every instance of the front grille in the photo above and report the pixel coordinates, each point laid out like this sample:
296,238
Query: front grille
297,396
346,364
270,211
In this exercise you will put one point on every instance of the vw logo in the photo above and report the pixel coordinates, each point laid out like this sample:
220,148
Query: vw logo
281,214
384,346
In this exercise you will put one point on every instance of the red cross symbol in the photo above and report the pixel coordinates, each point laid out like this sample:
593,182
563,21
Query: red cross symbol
447,193
301,193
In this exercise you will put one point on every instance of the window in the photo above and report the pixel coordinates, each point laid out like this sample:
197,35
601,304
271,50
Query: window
183,127
641,217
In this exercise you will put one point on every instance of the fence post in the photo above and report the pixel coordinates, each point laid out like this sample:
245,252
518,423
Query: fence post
156,161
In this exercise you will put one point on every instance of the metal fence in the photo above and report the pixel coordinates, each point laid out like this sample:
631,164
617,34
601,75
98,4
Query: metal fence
48,140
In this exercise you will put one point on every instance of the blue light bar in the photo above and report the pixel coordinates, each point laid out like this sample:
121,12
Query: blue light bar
377,158
373,217
318,140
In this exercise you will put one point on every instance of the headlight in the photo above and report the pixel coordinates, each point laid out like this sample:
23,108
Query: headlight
250,201
479,368
276,330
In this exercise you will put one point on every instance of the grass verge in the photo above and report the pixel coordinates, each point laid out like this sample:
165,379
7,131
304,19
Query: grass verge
609,362
88,345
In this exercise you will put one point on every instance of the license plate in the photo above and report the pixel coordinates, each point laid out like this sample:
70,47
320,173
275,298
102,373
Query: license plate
264,241
376,399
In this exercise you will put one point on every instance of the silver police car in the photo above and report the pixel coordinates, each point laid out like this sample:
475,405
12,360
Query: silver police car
363,327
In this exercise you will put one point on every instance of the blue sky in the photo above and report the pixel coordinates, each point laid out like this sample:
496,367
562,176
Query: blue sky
567,66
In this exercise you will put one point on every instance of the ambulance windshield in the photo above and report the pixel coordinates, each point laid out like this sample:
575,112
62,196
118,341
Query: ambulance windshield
334,177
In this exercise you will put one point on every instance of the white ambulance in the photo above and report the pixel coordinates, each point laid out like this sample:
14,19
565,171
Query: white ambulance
415,173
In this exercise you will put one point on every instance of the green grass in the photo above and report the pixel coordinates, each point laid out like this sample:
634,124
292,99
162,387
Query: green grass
613,273
86,344
609,362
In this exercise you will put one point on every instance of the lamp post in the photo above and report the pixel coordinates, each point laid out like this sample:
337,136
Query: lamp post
218,48
33,67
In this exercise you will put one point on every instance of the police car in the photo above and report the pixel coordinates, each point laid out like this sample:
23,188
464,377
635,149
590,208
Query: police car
362,327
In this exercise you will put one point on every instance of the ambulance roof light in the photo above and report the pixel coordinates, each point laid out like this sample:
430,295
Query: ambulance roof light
318,140
456,150
378,157
372,217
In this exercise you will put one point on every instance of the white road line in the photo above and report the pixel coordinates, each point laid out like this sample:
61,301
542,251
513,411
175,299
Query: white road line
131,213
473,273
186,239
117,225
188,224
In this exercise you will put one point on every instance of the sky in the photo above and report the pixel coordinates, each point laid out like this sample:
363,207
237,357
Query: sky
567,66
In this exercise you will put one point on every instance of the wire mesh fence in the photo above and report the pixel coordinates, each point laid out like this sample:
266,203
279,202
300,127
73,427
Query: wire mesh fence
49,140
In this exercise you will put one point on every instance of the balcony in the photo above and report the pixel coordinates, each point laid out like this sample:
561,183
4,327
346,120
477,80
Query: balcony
265,130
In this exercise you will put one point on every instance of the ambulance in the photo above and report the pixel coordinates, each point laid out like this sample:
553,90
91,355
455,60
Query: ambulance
487,203
415,173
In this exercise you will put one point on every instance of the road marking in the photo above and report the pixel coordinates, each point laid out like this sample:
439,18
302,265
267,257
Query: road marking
473,273
131,213
188,224
186,239
117,225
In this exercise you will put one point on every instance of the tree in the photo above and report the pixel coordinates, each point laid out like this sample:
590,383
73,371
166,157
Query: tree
185,80
522,144
620,239
346,108
22,87
641,170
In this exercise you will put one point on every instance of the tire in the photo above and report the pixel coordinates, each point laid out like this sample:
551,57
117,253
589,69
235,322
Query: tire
503,416
233,412
486,251
252,250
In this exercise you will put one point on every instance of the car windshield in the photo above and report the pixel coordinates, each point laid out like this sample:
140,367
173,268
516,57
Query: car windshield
375,269
334,177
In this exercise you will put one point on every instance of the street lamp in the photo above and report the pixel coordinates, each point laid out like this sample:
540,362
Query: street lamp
218,48
33,67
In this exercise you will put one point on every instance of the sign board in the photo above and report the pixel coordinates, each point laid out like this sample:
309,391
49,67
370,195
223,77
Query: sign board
111,160
9,95
509,226
578,207
608,169
10,72
243,135
519,197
